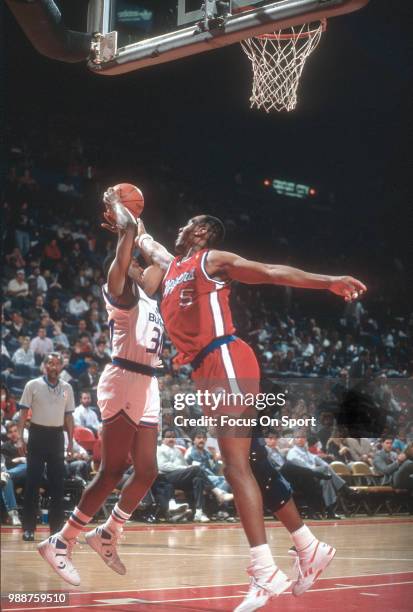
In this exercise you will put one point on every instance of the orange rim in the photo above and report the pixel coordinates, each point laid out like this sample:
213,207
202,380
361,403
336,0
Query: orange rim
292,36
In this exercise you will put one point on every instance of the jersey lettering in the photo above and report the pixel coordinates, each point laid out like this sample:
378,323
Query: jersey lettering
185,277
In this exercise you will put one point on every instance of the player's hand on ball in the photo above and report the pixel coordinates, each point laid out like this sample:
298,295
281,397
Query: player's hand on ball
117,216
110,221
347,287
111,197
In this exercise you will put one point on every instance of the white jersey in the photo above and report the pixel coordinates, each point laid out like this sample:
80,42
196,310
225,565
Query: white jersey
136,332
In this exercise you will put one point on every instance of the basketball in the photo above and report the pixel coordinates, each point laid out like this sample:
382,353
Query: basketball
131,197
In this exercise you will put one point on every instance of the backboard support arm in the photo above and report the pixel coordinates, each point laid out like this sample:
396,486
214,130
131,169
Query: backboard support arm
43,25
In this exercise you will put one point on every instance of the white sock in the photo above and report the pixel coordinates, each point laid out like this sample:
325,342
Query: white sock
303,538
75,524
262,560
116,520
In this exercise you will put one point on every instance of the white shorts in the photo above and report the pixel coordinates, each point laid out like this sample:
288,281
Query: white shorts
136,395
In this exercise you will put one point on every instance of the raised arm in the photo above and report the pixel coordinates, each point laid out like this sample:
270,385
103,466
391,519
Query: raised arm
151,250
118,280
132,234
152,278
231,266
118,219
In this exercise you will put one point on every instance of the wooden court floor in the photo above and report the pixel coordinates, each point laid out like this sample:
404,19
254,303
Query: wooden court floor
202,568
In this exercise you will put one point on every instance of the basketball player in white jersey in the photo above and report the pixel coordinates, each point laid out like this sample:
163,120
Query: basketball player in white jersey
128,399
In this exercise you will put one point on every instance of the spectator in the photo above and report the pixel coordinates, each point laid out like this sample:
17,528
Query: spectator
360,449
60,340
47,324
336,447
360,365
22,233
403,477
52,251
299,455
101,354
172,465
15,259
15,457
56,311
84,415
389,463
77,306
17,326
17,287
400,443
326,420
41,345
81,331
77,462
36,311
24,355
8,496
198,455
8,403
88,381
41,285
94,324
166,507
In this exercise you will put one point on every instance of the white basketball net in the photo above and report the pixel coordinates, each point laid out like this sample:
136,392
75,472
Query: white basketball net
277,63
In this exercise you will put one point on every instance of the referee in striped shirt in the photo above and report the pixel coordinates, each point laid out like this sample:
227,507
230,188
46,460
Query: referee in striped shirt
52,404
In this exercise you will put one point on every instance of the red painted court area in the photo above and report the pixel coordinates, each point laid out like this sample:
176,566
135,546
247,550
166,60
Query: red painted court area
372,593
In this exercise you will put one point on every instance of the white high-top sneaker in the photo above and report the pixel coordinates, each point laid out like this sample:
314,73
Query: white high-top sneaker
58,553
310,564
104,543
262,590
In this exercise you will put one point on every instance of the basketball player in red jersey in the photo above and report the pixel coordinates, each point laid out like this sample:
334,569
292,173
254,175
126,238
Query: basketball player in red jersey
197,317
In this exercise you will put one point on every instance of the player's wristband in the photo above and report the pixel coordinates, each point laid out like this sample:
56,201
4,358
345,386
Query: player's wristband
144,237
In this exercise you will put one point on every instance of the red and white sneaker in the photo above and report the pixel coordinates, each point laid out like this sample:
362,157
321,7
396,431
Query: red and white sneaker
261,591
104,543
309,566
58,553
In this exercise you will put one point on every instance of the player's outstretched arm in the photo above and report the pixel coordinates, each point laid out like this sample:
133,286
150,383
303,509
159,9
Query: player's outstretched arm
119,220
118,272
152,278
152,251
231,266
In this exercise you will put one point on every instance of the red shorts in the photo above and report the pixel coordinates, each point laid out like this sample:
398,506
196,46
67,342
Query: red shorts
232,368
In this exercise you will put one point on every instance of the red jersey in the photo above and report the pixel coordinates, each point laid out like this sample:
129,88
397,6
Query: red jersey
195,307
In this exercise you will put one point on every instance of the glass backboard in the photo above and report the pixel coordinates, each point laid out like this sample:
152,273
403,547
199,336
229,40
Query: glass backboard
141,33
139,20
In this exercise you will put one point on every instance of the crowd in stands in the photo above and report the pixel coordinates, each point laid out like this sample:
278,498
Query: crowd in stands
54,255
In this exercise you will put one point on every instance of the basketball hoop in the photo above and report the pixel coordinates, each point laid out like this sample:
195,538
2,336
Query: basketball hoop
277,62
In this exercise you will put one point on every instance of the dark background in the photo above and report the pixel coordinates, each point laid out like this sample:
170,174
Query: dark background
349,136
